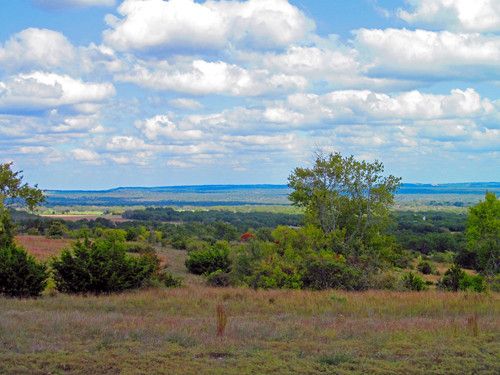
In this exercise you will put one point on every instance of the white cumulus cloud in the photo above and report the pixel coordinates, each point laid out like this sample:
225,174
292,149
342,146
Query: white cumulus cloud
466,15
208,25
421,54
36,48
40,90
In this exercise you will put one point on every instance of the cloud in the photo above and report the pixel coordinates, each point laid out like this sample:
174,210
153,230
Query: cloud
421,54
40,90
63,4
184,103
36,48
462,15
185,24
161,126
201,77
368,106
86,155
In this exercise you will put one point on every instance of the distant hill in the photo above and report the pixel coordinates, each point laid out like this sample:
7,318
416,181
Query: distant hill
235,195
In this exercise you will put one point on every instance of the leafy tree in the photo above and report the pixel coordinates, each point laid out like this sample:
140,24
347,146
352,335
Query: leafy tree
56,229
20,274
483,234
11,187
343,195
209,260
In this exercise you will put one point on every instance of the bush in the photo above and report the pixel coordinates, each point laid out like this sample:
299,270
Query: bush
168,280
425,267
456,279
139,248
413,282
325,272
219,278
210,260
20,274
102,266
273,273
451,278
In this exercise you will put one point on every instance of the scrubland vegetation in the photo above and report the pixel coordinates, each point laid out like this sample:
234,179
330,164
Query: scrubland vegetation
347,286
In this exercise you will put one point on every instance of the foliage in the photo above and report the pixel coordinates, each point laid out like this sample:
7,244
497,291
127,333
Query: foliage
483,234
11,187
168,280
57,229
102,266
209,260
456,279
275,272
219,278
414,282
327,271
341,194
425,267
20,274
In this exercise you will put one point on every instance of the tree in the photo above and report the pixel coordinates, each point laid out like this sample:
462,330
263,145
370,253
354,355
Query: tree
344,195
11,187
483,234
20,274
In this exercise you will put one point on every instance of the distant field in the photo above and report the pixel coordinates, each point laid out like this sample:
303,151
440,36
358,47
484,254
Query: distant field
76,217
453,195
41,247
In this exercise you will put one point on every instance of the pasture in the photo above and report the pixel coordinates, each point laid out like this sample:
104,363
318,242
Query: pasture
174,331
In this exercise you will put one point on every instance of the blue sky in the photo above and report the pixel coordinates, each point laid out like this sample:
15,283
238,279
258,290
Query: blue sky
104,93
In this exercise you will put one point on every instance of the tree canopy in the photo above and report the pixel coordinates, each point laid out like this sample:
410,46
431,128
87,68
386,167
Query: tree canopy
483,233
11,186
344,195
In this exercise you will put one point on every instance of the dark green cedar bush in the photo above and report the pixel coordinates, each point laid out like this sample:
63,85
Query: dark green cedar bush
102,266
20,274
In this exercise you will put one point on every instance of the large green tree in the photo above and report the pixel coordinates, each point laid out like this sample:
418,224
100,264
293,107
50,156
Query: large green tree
344,196
20,274
483,234
12,187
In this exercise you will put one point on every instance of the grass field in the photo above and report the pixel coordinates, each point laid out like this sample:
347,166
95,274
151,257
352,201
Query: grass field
41,247
162,331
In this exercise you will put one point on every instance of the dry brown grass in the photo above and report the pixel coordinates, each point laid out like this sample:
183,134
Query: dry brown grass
281,332
41,247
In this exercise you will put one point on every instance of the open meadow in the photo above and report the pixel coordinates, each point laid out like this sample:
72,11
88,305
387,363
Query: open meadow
174,331
267,332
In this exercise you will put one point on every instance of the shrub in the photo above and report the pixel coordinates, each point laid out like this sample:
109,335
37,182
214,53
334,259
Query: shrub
210,260
451,278
456,279
325,272
102,266
57,229
413,282
274,272
425,267
219,278
168,280
20,274
139,248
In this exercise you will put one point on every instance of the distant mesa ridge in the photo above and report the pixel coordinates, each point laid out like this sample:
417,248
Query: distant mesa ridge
406,188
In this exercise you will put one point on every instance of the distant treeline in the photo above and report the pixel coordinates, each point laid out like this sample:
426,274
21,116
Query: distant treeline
423,232
241,220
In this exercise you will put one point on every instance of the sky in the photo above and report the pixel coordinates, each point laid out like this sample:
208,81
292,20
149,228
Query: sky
102,93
